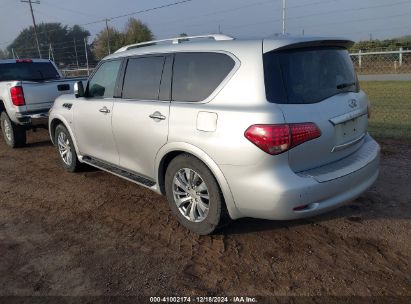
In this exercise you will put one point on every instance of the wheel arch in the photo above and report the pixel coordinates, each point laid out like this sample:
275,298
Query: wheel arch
168,152
54,122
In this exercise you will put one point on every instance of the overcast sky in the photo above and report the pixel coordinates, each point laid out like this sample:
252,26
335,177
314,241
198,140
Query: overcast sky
355,19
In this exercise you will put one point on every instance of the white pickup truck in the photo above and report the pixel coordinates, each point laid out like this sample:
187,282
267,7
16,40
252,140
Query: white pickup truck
28,88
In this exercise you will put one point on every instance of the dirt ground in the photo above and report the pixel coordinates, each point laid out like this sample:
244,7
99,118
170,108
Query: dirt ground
92,233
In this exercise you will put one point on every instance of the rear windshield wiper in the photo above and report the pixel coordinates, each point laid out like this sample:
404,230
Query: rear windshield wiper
346,85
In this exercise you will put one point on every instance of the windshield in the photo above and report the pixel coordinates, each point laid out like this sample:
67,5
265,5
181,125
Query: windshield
32,71
308,75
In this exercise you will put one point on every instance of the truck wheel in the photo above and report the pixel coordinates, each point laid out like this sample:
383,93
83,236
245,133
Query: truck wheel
14,135
194,195
65,147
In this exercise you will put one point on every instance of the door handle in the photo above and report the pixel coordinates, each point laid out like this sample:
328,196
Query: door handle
157,116
104,110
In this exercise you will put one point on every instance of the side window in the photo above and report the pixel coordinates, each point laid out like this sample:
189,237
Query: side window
142,78
103,82
197,75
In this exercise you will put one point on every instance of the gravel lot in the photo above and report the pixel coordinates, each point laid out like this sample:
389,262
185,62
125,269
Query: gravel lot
92,233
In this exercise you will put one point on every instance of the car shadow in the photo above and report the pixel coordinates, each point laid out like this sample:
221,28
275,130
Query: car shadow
43,143
355,212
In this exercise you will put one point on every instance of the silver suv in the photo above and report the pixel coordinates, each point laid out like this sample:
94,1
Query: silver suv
272,129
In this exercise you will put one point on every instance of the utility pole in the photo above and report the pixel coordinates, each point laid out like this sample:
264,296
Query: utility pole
85,49
30,2
75,51
108,37
284,16
51,52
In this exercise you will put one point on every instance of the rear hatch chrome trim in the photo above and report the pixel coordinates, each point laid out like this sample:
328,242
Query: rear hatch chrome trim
352,163
348,144
348,116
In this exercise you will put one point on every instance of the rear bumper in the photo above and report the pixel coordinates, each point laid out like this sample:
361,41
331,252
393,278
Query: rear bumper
263,192
38,118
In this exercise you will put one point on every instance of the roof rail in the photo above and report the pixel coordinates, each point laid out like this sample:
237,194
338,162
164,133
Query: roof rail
177,40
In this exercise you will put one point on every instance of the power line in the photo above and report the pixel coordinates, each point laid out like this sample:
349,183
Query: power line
216,12
121,16
51,4
359,20
138,12
323,13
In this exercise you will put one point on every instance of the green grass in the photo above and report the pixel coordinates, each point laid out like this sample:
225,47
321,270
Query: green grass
391,108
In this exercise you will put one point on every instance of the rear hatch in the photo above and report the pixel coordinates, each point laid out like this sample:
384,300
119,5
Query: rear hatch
317,83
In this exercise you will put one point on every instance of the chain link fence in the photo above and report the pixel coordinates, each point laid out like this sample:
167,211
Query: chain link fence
80,71
382,62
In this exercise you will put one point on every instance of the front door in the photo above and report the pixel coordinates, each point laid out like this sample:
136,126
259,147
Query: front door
93,115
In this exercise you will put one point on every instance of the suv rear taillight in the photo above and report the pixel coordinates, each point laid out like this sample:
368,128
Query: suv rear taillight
276,139
17,96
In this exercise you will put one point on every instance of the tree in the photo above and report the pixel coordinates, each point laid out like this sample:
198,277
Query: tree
183,35
3,54
100,44
61,38
134,32
387,44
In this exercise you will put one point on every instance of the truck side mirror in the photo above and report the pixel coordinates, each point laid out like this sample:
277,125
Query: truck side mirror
78,89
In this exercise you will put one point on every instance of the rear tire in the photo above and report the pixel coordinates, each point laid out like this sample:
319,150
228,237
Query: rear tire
14,135
66,149
194,196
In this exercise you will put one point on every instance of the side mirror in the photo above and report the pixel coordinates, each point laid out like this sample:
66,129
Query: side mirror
78,89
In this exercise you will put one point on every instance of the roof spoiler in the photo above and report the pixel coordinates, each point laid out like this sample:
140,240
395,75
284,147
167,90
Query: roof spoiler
271,45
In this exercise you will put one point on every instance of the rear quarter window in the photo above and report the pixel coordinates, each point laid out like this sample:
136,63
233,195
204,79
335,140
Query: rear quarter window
197,75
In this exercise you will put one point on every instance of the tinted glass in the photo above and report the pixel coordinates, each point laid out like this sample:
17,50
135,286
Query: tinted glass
142,79
103,82
197,75
32,71
308,75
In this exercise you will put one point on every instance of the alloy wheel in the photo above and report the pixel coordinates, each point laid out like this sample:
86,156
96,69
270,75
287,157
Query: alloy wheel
191,195
7,130
65,148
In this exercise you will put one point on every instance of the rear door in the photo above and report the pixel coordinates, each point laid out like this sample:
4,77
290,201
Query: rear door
318,84
141,116
93,114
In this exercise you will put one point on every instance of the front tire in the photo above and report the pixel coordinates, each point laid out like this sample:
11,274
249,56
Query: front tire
14,135
66,149
193,195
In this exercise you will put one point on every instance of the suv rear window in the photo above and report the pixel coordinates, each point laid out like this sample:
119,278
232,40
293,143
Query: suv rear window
31,71
308,75
197,75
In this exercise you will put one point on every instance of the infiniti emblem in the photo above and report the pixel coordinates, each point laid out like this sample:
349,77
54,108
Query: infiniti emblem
353,103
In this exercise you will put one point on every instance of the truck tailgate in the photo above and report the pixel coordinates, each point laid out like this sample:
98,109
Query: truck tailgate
41,95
